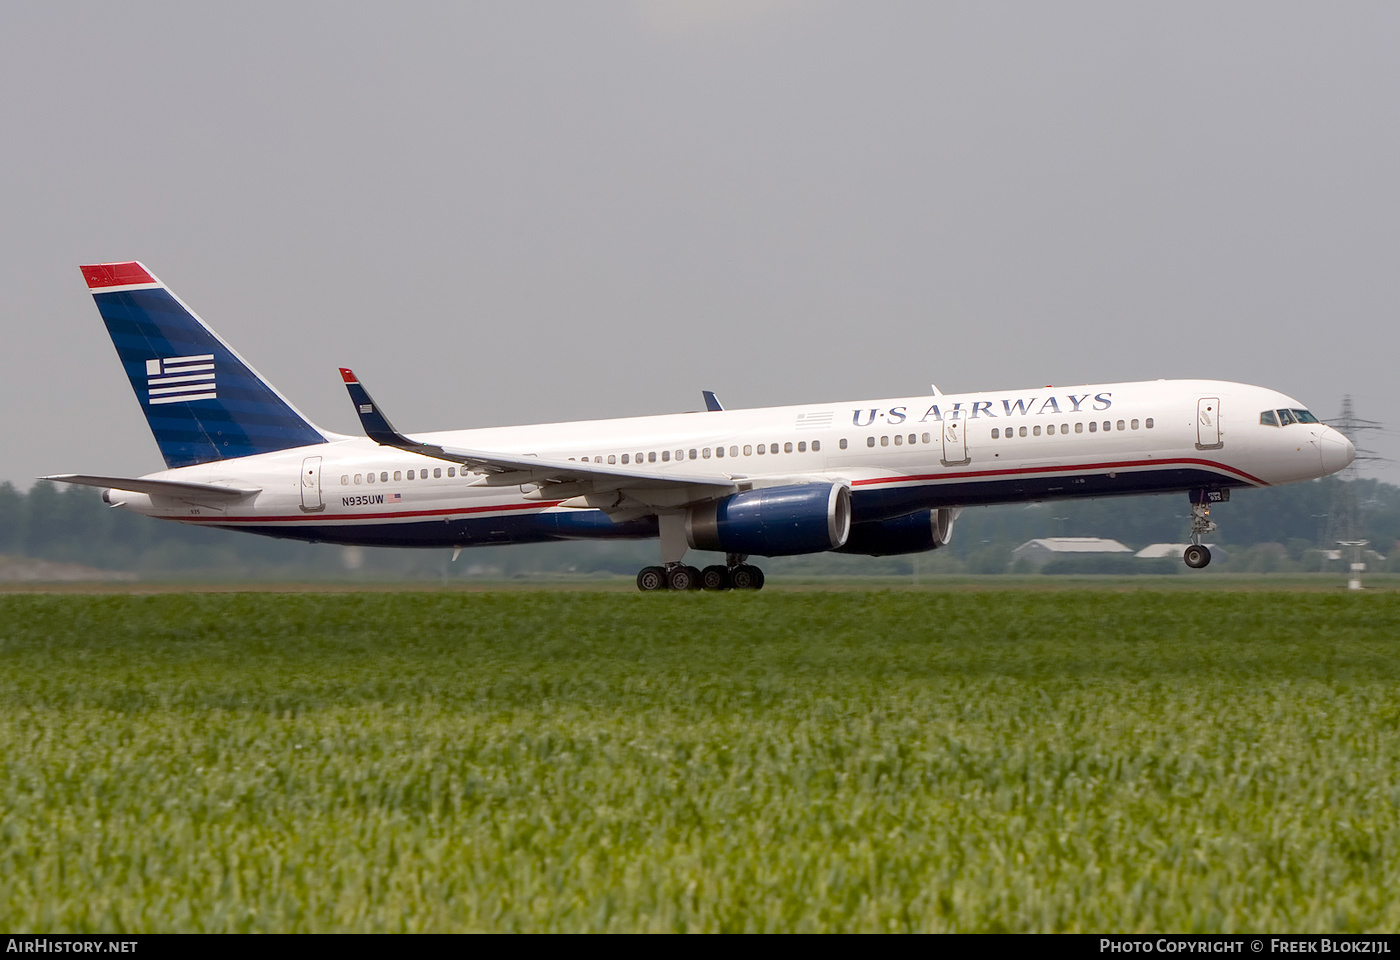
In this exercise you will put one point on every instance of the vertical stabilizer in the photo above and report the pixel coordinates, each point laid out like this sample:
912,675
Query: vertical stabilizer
202,400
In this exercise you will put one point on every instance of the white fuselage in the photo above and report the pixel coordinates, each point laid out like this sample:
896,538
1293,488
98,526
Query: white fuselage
898,455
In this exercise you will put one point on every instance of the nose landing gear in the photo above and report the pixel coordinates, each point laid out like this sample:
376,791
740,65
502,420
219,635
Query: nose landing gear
1197,555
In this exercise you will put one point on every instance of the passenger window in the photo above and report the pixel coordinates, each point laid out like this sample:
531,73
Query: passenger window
1079,428
358,478
1093,426
884,441
651,457
369,478
898,440
1036,430
1021,432
762,449
926,438
680,454
410,474
816,445
802,446
452,471
772,448
748,450
733,451
787,447
398,474
842,443
1121,426
870,441
437,473
612,458
345,479
639,458
705,453
665,456
626,458
1134,424
1107,425
1050,430
1148,423
996,433
694,454
719,451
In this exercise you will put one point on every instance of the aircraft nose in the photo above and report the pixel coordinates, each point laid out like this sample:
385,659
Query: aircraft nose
1337,451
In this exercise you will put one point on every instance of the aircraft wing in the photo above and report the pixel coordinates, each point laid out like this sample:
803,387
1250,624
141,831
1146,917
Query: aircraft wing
208,492
504,469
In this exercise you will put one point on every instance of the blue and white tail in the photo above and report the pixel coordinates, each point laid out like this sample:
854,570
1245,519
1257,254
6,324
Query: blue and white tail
202,400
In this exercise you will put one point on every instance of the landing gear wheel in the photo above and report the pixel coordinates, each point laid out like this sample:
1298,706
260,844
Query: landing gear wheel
1196,556
715,577
683,578
746,577
651,578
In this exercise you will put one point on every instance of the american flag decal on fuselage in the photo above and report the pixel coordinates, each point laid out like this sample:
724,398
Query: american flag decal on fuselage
177,379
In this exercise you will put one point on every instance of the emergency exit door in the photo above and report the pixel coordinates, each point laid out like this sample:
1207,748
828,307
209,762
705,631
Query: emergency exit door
1208,422
311,485
954,442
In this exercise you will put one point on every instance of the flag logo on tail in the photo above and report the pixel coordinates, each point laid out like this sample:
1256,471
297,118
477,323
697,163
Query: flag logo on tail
177,379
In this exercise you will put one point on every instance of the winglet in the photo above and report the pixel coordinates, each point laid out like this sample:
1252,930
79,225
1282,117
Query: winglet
712,403
377,426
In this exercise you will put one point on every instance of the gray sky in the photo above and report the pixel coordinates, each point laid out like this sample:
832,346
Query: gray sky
522,212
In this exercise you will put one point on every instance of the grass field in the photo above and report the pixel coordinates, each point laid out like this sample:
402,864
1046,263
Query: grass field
791,760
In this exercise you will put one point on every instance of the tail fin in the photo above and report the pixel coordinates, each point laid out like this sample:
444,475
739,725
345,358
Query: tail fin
201,399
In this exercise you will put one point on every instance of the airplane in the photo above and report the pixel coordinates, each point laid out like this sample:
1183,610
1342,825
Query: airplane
872,477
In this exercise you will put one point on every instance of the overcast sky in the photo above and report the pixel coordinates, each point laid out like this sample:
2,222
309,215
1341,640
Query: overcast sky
522,212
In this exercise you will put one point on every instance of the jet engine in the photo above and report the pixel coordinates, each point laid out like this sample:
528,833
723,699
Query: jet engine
912,533
774,521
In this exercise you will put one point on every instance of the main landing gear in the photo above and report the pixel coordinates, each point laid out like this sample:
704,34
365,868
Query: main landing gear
1197,555
733,574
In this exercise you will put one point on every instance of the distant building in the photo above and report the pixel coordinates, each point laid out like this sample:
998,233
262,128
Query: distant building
1159,551
1040,552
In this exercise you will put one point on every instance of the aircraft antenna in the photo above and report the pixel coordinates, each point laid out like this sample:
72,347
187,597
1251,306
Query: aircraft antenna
1344,521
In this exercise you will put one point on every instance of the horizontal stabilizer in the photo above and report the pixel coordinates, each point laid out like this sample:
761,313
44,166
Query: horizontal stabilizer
211,492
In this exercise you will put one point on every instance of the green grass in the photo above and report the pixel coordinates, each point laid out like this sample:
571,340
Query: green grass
862,760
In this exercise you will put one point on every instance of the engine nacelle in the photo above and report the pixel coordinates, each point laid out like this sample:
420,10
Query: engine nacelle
912,533
774,521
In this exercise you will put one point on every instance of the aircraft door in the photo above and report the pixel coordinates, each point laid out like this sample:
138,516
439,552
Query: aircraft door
954,442
311,485
1208,423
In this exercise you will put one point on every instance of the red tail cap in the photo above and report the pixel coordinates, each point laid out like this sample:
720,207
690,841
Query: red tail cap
100,275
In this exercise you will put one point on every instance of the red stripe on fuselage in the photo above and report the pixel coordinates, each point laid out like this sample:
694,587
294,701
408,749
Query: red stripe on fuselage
917,478
1063,468
321,517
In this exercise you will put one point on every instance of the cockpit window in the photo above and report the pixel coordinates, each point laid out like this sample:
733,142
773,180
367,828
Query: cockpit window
1304,416
1268,418
1285,417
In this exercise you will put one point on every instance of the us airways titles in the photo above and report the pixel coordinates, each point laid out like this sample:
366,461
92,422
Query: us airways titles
1021,407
